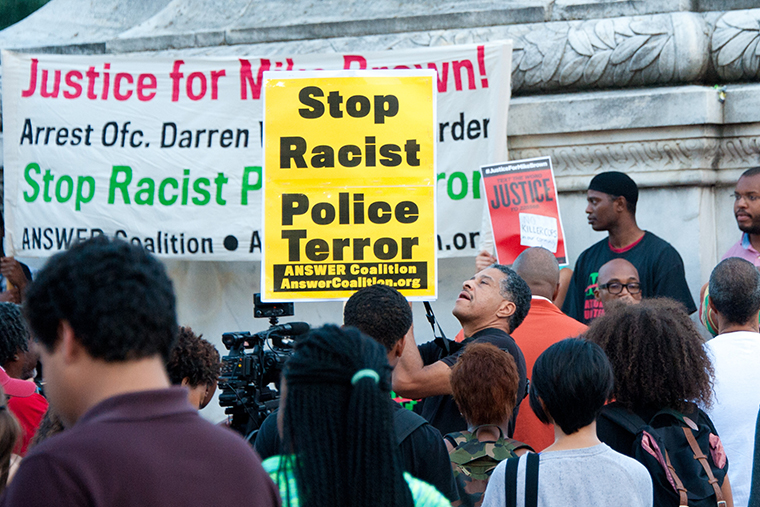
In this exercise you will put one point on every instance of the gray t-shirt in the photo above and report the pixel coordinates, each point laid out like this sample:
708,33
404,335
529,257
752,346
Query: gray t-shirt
594,476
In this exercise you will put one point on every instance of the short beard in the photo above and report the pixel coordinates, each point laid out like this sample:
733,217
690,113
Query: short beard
754,228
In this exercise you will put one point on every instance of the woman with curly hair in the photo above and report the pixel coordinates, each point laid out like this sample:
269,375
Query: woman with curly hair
336,422
660,366
194,363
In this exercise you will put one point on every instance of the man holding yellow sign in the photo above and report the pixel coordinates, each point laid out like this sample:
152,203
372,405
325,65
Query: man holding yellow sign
349,183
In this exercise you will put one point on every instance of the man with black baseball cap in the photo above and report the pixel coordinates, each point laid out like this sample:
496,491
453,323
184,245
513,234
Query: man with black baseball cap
612,198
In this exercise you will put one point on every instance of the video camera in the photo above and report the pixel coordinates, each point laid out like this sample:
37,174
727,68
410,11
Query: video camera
245,378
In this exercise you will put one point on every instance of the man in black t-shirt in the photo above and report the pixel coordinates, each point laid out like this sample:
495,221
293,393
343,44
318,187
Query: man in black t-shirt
491,305
612,198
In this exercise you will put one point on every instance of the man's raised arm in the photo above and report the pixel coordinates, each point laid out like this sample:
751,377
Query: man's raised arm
412,379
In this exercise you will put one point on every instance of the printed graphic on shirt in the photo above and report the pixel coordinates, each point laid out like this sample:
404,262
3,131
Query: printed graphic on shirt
591,307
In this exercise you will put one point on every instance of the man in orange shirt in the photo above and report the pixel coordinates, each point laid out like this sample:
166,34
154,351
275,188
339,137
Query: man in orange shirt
544,326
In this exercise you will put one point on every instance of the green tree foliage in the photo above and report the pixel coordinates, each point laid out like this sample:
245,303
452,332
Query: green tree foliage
13,11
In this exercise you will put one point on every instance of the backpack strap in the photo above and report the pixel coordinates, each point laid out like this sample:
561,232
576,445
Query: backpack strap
682,492
510,482
700,456
510,443
476,428
681,418
405,422
531,480
458,437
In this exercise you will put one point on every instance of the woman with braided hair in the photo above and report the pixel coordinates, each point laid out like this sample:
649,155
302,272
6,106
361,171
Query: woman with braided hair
335,418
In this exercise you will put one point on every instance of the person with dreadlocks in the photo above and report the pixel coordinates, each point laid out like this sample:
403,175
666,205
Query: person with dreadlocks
18,362
336,423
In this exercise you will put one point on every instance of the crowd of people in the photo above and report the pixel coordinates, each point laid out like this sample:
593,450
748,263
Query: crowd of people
594,388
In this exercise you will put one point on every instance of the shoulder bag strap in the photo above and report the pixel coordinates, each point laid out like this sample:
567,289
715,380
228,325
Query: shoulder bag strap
405,423
450,440
700,456
531,480
624,418
510,482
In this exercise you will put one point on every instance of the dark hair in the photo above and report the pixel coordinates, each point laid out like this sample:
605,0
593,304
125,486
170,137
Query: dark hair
573,378
735,289
752,171
656,355
14,335
484,383
193,358
513,288
341,432
380,312
117,298
50,425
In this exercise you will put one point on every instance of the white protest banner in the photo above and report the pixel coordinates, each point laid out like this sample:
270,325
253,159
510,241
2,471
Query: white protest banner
167,152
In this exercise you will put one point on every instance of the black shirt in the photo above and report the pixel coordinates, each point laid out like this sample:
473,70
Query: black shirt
660,268
442,411
425,456
267,443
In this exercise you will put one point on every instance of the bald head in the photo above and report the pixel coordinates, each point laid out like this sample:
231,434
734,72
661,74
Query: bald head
539,268
620,269
612,274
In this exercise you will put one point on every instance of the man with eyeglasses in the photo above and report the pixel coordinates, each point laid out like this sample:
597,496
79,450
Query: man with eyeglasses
618,282
612,198
747,213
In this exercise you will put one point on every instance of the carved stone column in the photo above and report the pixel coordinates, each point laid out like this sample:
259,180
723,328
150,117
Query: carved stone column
604,53
734,48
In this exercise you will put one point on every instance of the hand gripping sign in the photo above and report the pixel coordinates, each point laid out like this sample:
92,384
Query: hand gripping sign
522,205
349,183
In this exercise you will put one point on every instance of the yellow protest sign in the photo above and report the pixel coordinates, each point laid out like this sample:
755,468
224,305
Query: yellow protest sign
349,184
